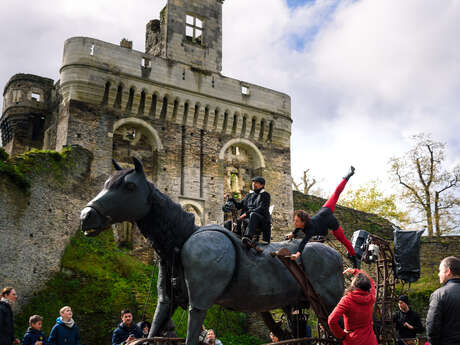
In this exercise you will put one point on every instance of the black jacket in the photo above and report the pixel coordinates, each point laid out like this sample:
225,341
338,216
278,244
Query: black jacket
6,324
257,201
443,318
413,319
32,336
122,332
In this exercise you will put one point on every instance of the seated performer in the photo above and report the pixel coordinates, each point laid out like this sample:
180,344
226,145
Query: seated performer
319,224
229,206
256,215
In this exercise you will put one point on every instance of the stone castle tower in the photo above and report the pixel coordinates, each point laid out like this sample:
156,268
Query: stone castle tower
199,134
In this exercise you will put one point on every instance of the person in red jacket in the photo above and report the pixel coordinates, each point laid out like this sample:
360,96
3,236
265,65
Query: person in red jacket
356,307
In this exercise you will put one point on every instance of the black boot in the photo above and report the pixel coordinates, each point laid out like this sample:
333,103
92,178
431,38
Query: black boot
350,173
354,261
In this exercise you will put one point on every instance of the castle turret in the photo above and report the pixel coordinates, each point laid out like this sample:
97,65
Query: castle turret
26,109
189,32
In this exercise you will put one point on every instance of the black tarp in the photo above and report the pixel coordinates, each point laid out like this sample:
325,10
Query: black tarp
407,254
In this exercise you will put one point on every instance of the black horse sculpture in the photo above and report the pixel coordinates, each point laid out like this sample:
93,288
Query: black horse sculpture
203,266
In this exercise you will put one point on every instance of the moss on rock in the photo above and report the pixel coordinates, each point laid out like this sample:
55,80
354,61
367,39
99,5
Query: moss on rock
19,168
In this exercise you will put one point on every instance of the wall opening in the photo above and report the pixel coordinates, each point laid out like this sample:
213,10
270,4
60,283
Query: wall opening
142,103
164,109
129,104
262,129
235,124
105,99
119,96
35,96
253,128
153,106
243,127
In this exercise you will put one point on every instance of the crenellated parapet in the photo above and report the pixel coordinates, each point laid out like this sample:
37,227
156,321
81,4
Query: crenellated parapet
138,84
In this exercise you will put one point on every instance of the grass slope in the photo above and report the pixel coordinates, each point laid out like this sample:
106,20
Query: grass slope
98,279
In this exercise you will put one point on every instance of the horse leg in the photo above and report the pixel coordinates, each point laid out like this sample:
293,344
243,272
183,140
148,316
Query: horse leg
208,259
164,309
195,321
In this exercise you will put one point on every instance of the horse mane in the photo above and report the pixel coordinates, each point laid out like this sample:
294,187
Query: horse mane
167,225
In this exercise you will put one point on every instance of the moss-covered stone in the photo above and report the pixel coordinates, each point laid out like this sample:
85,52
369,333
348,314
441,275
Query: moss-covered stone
19,168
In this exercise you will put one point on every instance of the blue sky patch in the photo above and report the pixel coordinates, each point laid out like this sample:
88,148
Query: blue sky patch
297,3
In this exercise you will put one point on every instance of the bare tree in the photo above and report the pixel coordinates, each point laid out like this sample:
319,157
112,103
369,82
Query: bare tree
307,182
427,185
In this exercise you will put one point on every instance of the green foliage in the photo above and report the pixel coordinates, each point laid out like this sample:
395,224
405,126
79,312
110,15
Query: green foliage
3,155
98,279
370,199
15,175
17,168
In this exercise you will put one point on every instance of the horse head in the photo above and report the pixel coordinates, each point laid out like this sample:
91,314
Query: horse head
125,197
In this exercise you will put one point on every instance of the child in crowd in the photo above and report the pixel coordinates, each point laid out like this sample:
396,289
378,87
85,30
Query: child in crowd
65,331
34,335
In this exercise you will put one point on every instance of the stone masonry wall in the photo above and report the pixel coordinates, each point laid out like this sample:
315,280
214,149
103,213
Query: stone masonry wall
36,228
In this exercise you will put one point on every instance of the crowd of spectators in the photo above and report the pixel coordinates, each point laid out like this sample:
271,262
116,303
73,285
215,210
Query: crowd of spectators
355,307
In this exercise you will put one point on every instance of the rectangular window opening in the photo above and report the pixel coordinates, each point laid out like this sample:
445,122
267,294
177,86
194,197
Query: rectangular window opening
91,50
145,63
245,90
189,19
35,96
193,28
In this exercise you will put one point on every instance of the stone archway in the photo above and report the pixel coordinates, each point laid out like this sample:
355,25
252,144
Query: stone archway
241,160
134,137
196,211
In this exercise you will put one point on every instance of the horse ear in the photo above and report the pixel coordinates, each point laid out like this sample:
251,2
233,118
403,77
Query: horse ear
138,165
116,165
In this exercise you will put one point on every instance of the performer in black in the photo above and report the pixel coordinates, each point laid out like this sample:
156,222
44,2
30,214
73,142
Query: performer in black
319,224
407,321
256,215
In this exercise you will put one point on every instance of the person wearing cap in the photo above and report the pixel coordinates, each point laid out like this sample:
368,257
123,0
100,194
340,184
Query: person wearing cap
321,222
256,216
407,321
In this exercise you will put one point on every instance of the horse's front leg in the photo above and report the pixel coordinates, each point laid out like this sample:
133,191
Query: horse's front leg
195,321
164,309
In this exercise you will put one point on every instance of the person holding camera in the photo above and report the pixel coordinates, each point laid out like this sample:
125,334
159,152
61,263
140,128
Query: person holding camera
211,338
127,330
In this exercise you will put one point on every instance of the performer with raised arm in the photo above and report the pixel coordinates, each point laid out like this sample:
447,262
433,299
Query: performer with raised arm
319,224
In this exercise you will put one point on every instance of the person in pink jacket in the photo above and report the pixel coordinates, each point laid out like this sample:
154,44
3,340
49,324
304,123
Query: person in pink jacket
356,307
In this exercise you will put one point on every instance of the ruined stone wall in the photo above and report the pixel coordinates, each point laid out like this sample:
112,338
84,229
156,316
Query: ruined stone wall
204,52
36,227
434,249
27,112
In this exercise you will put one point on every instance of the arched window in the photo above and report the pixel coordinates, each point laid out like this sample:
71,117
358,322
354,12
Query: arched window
105,99
129,105
142,103
153,106
243,127
164,108
262,129
119,97
253,128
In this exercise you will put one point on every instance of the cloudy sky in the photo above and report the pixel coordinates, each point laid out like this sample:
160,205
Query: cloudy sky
363,75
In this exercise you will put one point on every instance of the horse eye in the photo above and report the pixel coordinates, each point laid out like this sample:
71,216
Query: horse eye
130,186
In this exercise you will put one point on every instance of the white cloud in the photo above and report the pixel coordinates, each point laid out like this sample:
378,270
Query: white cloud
363,75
